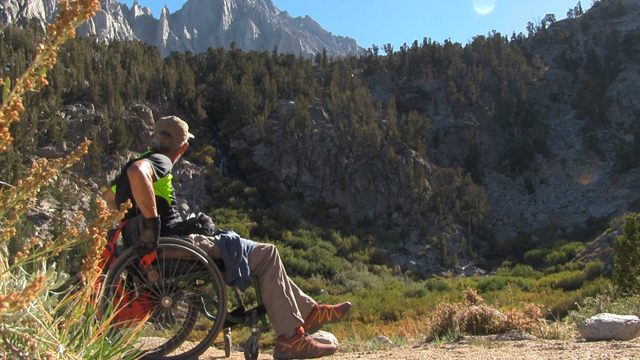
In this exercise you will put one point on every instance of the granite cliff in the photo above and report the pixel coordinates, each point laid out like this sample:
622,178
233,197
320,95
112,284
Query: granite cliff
198,25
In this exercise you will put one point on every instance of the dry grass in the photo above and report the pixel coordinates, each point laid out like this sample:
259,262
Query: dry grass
454,320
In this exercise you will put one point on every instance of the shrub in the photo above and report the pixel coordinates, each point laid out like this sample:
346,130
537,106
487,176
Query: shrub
558,255
566,280
445,321
501,282
626,261
437,285
205,156
452,320
524,271
356,276
536,256
526,319
594,269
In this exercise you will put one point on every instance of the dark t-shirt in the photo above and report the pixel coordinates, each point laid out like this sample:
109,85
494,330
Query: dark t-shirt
162,187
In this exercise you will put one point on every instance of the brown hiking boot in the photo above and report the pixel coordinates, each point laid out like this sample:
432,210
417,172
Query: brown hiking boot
325,314
301,347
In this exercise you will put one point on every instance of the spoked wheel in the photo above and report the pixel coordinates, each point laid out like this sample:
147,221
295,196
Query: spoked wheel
180,296
251,348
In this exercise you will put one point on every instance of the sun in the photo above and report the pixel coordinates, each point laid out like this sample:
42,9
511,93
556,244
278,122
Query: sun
483,7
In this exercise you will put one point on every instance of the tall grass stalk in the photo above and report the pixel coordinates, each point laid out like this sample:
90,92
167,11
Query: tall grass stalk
36,320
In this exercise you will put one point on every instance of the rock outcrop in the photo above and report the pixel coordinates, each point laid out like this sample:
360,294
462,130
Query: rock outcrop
606,327
315,167
199,24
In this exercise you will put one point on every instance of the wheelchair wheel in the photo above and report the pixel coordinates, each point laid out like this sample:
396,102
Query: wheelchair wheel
227,343
179,295
251,348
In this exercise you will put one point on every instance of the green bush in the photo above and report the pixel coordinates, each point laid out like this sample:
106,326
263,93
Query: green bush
626,258
536,256
438,285
524,271
500,282
558,255
594,269
565,280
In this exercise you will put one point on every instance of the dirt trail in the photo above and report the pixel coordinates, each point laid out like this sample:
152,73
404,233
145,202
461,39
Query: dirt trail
481,348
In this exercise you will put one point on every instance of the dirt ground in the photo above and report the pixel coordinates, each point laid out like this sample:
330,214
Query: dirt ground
481,348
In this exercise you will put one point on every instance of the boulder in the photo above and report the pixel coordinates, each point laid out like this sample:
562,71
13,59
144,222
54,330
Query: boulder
145,114
604,327
604,209
471,270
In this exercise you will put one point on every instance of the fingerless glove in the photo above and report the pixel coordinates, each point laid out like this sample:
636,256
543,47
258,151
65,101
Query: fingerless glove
149,236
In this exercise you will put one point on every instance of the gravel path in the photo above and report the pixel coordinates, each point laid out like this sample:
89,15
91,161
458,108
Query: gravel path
481,348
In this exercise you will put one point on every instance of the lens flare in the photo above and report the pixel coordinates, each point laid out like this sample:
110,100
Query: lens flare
587,171
483,7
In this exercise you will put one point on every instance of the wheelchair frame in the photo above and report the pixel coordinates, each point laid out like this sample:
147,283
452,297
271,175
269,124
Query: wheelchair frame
171,292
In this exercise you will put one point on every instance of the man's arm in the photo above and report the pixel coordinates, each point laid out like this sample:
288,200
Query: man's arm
141,179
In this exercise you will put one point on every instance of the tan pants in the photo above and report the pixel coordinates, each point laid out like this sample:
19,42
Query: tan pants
287,306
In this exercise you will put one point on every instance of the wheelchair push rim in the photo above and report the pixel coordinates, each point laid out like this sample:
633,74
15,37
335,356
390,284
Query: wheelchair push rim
176,296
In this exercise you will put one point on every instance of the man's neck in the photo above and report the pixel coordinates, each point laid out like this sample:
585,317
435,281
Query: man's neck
174,157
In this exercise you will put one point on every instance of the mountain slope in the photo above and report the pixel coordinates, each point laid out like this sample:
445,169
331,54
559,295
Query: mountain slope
200,24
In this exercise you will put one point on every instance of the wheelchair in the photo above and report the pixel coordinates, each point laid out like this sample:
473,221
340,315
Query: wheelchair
176,298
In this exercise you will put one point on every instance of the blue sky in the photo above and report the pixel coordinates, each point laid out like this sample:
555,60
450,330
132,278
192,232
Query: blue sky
398,21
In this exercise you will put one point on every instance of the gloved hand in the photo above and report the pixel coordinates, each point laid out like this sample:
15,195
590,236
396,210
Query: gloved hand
206,225
149,236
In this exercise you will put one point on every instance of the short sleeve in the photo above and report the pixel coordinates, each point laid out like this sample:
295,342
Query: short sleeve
160,164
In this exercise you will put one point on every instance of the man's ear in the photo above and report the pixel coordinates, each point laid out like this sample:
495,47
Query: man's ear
184,148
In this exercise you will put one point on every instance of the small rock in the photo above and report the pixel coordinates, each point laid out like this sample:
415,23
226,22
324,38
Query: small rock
515,335
38,218
383,340
324,337
48,152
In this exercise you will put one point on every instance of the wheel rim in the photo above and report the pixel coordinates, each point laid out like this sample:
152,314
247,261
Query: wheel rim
172,298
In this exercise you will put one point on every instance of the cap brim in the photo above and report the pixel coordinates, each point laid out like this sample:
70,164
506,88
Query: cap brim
191,136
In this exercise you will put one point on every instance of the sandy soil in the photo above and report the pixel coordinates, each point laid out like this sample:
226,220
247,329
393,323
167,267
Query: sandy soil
480,348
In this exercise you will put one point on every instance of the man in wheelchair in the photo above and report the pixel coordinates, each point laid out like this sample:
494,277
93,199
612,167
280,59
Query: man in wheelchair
146,181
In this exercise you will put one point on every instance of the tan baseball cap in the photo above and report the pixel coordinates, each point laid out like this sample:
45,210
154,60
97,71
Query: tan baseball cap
171,130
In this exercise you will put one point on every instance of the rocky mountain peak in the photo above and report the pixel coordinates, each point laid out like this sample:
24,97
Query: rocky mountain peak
250,24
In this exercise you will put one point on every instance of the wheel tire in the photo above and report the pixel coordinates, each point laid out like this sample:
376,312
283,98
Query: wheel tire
251,349
184,275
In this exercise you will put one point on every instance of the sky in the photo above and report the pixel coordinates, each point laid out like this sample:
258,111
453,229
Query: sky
397,22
